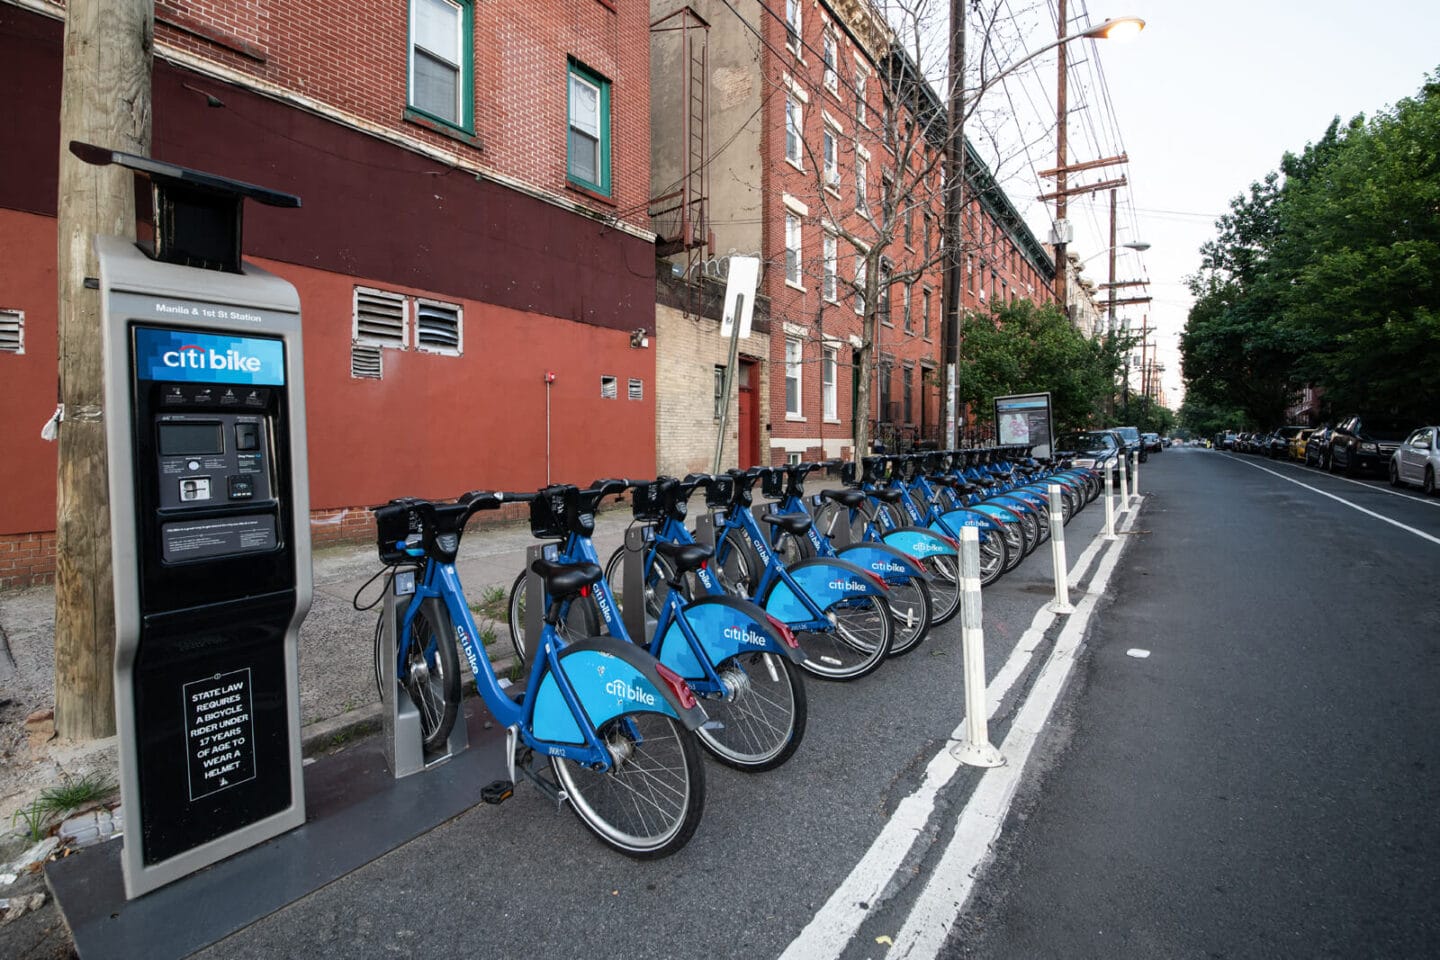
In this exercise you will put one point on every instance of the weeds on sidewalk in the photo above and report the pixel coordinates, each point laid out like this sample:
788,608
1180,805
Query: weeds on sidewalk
55,802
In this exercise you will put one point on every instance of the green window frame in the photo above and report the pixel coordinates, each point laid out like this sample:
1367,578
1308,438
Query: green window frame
431,55
587,137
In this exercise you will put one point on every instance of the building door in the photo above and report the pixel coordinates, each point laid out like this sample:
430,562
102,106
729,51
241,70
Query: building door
749,417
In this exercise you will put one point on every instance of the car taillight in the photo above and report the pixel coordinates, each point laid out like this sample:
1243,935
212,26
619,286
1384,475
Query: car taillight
677,686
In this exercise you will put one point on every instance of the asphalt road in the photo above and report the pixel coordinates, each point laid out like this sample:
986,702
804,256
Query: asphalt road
1263,784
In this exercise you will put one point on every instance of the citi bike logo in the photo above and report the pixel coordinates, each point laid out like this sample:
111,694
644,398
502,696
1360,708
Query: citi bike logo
624,691
925,548
745,635
195,357
605,609
846,585
887,566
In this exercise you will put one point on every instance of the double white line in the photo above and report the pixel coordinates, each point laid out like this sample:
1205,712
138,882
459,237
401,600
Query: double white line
939,903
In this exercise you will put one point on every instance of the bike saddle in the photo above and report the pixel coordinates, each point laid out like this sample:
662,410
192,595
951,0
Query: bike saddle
565,580
887,495
685,556
792,523
945,480
846,498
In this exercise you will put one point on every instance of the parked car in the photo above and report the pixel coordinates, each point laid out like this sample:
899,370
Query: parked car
1099,449
1131,436
1226,440
1151,442
1278,443
1417,460
1317,448
1297,445
1366,442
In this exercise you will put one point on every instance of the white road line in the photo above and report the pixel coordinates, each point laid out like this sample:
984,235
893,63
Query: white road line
1354,506
1429,502
835,924
940,903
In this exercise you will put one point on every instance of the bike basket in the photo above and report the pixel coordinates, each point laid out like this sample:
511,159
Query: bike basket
772,483
719,492
847,473
548,512
648,502
394,523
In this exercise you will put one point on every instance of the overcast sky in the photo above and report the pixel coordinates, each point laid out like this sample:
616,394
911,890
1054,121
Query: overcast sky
1206,100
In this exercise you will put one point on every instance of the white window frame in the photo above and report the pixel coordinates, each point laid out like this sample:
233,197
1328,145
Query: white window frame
829,374
793,249
860,283
793,24
830,57
862,176
830,286
795,131
459,59
794,370
861,75
832,158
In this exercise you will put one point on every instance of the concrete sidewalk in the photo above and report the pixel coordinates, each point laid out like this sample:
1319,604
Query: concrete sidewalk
338,698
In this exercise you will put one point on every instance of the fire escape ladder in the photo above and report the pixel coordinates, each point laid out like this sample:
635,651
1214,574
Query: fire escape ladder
680,217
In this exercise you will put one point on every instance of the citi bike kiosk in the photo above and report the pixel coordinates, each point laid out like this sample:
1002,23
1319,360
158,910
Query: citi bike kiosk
209,493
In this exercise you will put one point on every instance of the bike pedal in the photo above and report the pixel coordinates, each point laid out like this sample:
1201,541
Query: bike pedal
497,792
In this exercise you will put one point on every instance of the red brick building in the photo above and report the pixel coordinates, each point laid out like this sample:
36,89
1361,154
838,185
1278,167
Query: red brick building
827,164
474,181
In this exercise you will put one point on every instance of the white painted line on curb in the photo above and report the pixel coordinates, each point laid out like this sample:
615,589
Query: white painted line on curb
1354,506
953,877
837,921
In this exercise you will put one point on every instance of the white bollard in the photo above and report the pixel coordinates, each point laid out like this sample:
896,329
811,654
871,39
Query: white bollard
976,749
1061,603
1123,462
1135,487
1109,509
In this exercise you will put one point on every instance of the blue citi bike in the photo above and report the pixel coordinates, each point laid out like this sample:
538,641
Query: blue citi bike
615,725
836,608
740,662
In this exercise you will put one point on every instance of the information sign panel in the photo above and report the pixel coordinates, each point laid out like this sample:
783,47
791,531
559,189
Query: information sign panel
1023,419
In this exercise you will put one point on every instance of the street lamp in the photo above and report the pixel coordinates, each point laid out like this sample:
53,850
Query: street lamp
1118,28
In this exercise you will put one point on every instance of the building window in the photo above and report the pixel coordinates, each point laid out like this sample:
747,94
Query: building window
860,97
792,24
828,367
609,387
440,32
829,54
887,413
832,157
589,145
794,352
860,285
829,257
792,249
862,173
907,376
905,293
794,125
910,226
925,226
882,292
925,316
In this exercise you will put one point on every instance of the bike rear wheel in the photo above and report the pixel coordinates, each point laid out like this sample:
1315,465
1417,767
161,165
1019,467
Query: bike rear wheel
432,672
858,641
912,610
944,587
581,620
764,717
733,566
648,804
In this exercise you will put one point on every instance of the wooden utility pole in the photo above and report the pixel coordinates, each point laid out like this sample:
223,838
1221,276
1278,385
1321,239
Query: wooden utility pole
952,280
1061,161
104,100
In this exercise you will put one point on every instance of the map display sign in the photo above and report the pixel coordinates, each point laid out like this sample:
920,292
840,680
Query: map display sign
1023,419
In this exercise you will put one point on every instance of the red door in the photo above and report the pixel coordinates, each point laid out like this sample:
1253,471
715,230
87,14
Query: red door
749,415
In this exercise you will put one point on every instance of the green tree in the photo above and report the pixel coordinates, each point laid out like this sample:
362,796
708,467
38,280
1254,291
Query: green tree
1022,348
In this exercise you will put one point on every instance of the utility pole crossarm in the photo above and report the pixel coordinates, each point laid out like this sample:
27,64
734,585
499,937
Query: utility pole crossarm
1121,303
1124,283
1053,172
1087,188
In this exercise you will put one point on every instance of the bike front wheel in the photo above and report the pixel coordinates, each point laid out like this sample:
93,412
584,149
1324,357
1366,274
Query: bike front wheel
762,718
648,804
432,673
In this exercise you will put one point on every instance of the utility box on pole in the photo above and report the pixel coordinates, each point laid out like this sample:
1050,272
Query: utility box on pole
209,491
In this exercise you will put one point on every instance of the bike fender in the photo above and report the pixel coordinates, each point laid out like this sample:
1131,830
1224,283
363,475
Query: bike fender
610,678
1018,502
825,581
967,517
885,561
995,510
919,542
725,627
